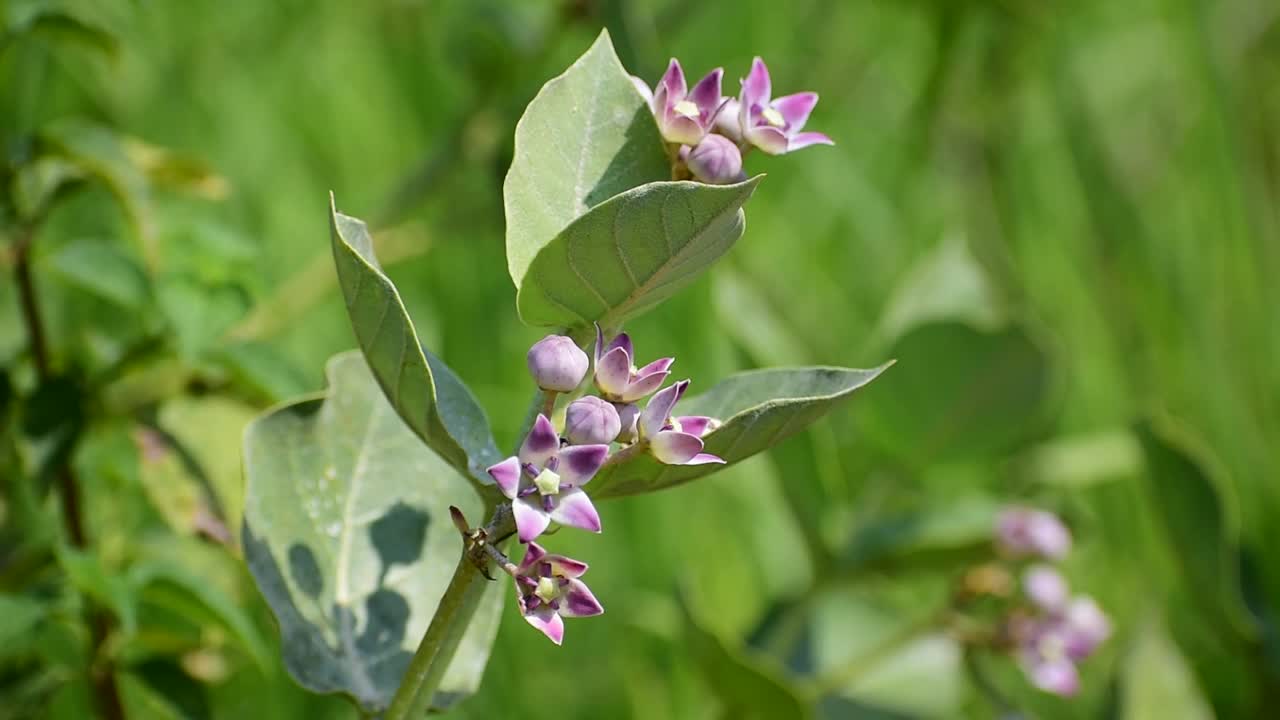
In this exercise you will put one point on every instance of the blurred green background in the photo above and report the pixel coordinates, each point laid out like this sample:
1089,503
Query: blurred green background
1061,219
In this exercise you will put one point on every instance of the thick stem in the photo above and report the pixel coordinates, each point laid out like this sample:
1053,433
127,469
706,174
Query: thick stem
549,403
435,652
106,693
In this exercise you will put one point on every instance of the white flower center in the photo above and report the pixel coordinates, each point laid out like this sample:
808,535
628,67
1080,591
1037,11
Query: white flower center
773,117
547,482
687,108
1052,647
548,589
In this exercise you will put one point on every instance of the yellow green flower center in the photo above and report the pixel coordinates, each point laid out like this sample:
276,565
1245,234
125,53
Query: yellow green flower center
548,589
773,117
547,482
687,108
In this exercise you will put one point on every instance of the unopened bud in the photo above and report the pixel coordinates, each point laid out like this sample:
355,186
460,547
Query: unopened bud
557,363
591,421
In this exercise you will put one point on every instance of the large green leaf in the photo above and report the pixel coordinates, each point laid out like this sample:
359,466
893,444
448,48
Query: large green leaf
347,533
1199,519
759,409
587,136
632,252
961,393
429,397
937,537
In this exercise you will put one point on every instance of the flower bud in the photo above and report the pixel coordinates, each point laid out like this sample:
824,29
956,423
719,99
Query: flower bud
628,415
1045,587
557,363
716,160
591,421
1022,531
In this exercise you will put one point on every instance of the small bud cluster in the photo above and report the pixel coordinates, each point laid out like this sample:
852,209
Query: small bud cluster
1049,631
544,480
712,133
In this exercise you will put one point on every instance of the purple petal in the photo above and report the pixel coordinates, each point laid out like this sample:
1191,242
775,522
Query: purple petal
658,365
579,602
1086,627
805,139
729,121
673,80
675,448
680,129
795,109
694,424
579,463
541,444
706,95
575,509
756,88
531,519
532,554
622,340
600,348
658,411
706,459
1045,587
549,622
566,566
1055,676
613,372
769,139
506,475
644,385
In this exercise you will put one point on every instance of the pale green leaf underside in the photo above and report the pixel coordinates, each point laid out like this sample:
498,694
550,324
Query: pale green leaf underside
587,136
759,409
347,533
632,252
431,399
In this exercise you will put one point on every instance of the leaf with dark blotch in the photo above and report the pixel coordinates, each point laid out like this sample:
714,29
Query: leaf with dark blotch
429,397
759,409
346,532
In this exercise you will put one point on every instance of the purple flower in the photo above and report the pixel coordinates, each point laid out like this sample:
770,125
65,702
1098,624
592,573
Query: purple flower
1022,531
774,125
544,482
716,160
674,441
617,377
684,116
1042,655
557,363
1045,588
1085,627
590,420
548,589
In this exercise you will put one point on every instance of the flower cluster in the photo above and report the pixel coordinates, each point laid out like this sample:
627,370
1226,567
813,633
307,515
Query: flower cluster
1051,631
712,133
544,480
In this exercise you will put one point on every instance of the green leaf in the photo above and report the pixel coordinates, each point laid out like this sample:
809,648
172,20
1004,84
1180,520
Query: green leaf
347,533
100,152
200,601
1199,519
961,393
587,136
19,616
746,686
37,183
631,252
936,537
105,587
429,397
62,27
1158,683
100,268
759,408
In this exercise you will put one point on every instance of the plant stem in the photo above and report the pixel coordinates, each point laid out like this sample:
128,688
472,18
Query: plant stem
103,678
435,652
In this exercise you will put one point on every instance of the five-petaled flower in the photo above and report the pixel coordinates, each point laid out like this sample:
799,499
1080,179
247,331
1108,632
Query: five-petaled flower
772,125
1058,634
617,377
549,588
675,440
544,482
685,116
